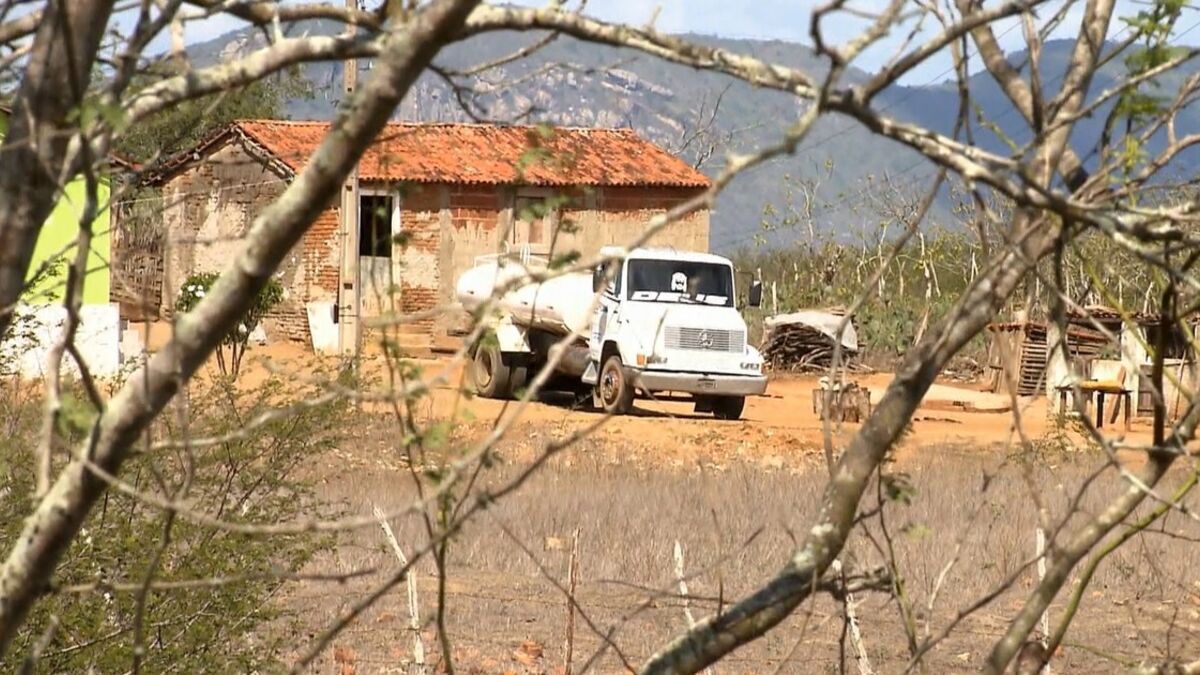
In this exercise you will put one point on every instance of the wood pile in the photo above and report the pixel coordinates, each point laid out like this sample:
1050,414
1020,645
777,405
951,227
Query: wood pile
800,348
789,345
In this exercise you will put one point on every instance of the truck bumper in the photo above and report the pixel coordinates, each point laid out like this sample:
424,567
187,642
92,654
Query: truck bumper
700,383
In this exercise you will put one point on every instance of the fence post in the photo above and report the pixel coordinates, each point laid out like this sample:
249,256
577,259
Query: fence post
683,593
1045,620
860,649
414,611
572,582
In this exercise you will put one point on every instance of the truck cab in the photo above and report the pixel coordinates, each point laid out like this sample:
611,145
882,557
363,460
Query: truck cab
667,324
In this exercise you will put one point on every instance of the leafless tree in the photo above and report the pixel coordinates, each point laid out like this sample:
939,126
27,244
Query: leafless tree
65,116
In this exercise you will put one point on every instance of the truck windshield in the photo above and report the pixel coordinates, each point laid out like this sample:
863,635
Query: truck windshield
680,281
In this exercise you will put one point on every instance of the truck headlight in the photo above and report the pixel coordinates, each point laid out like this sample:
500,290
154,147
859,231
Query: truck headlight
643,359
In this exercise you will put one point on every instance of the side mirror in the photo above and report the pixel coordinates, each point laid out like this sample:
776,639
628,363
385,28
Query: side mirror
598,278
755,298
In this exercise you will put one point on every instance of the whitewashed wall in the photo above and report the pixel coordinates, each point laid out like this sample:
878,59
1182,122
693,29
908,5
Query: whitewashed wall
98,339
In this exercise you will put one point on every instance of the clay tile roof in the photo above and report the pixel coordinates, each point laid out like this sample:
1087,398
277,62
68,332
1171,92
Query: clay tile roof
491,154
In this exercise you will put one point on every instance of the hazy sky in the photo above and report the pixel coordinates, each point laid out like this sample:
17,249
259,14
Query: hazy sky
779,19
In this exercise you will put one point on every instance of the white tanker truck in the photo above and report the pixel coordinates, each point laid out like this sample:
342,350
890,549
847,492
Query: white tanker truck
666,325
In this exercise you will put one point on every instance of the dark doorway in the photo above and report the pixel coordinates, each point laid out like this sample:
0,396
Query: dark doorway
375,213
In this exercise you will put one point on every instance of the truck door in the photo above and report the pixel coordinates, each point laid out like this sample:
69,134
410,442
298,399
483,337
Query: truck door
606,313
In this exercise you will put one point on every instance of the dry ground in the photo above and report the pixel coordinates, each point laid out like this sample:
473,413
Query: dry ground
508,567
735,495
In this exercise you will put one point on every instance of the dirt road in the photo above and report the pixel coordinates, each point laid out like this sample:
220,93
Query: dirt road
779,425
779,428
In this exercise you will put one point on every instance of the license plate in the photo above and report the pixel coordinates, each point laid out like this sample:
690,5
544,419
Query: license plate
707,384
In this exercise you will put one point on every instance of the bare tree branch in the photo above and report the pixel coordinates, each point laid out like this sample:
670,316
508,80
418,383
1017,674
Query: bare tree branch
56,78
58,517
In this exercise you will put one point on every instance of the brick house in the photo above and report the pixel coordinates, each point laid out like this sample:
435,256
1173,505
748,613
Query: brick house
452,191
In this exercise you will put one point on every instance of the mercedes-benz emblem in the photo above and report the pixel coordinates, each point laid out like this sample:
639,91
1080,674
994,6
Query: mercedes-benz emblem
705,339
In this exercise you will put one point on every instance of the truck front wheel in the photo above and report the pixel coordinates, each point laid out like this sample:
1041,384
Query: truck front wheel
492,379
728,407
614,391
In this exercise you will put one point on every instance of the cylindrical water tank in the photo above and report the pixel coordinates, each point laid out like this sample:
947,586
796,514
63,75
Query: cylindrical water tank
559,304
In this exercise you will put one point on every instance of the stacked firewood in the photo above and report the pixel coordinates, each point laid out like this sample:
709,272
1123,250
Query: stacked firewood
794,346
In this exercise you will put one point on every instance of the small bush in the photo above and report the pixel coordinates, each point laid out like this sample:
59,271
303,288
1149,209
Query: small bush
233,345
210,628
23,324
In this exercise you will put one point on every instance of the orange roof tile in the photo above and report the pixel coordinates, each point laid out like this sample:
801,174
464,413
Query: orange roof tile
481,153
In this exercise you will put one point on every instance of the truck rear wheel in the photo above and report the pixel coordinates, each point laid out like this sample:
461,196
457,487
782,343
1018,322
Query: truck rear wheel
614,391
492,379
728,407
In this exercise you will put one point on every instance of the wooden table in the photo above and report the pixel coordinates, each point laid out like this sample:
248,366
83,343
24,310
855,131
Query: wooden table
1124,400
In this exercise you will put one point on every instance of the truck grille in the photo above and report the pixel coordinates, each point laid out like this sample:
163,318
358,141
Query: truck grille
705,339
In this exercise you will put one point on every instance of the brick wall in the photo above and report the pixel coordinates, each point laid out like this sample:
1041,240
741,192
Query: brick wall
207,210
450,225
426,211
641,199
210,206
320,261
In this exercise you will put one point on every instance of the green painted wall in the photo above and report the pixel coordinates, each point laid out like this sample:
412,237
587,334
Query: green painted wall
56,243
59,234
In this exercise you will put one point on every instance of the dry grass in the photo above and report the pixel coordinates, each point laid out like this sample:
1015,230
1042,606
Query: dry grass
737,527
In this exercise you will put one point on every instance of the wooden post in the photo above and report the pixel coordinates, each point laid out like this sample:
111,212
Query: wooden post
1041,568
856,639
572,581
683,589
683,593
414,611
349,302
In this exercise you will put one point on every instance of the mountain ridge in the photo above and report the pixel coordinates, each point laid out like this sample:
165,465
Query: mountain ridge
573,83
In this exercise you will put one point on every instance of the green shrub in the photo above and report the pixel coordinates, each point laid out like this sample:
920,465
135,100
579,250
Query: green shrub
216,628
22,326
233,345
